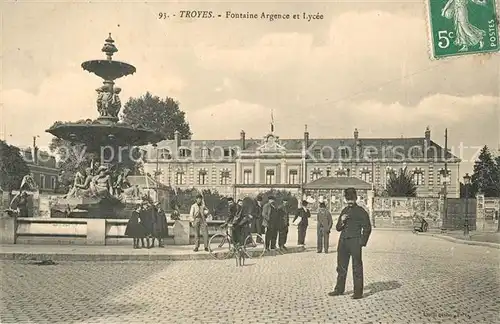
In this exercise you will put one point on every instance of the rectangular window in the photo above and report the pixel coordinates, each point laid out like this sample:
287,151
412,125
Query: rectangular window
205,153
315,175
42,181
179,178
247,176
293,176
224,178
53,182
417,178
227,153
270,177
202,177
366,176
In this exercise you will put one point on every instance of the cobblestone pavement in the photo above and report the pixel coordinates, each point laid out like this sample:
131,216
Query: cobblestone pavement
408,279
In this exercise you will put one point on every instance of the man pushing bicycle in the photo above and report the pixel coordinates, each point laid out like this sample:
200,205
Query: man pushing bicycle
238,221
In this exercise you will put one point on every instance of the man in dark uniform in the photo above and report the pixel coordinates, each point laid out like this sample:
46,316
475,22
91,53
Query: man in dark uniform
271,222
354,225
284,224
257,218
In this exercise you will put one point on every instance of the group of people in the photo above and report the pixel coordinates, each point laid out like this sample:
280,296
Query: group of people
147,224
270,220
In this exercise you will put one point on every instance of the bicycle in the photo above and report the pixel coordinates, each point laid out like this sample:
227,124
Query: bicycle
220,245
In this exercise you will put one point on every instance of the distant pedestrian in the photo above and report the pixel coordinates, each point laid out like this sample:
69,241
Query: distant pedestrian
304,214
160,227
354,225
270,221
134,228
284,224
325,223
198,214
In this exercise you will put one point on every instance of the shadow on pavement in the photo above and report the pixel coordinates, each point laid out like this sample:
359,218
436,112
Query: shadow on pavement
376,287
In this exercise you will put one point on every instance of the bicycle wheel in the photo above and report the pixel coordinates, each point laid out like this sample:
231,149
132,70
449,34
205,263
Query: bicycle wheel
219,246
255,246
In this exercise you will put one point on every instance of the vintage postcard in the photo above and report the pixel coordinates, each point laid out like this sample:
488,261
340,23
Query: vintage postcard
250,161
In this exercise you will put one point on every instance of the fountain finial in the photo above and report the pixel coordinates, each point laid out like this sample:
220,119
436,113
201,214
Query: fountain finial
109,47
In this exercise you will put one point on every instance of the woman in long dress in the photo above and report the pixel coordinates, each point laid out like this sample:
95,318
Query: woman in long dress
466,34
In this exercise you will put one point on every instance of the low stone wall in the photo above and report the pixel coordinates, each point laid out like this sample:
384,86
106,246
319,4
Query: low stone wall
83,231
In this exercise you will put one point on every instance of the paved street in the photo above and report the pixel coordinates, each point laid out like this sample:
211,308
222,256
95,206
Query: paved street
408,279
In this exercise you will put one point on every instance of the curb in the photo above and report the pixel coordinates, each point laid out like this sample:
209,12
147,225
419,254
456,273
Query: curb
455,240
109,257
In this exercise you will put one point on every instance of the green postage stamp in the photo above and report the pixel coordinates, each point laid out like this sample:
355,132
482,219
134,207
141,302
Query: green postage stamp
463,27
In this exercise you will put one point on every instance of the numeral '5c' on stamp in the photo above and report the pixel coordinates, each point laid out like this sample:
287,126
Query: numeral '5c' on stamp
463,27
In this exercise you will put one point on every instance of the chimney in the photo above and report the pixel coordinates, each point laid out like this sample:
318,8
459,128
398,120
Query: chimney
34,152
242,138
177,138
306,137
427,142
357,143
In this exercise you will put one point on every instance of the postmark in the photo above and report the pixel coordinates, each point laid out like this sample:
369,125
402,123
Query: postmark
460,27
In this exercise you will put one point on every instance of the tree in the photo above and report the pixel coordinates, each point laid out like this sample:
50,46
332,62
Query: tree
12,167
401,184
161,115
486,176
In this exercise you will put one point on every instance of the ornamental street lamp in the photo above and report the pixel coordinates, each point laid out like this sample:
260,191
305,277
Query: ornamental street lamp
466,220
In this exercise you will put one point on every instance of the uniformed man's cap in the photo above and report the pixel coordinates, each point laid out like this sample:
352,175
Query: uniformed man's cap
322,205
350,194
199,196
259,198
230,199
271,198
304,203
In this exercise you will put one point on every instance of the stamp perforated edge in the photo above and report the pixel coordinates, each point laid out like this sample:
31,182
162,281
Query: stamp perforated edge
430,36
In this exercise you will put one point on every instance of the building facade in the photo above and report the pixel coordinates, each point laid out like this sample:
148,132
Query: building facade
244,166
43,167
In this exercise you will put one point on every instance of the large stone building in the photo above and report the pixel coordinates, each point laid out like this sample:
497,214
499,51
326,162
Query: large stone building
244,166
43,167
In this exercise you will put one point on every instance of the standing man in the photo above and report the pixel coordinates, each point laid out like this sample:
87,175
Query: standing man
257,220
304,214
325,223
198,215
284,224
354,225
270,221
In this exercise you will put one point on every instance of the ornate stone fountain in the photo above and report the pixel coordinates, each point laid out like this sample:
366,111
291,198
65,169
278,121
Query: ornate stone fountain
103,188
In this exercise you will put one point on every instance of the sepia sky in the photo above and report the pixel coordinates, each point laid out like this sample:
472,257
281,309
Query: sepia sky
365,65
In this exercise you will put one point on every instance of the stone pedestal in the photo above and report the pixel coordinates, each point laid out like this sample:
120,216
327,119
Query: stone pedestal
182,232
96,232
7,229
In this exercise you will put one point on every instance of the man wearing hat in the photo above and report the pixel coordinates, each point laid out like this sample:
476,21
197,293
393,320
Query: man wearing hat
284,224
198,215
271,220
257,217
354,225
304,213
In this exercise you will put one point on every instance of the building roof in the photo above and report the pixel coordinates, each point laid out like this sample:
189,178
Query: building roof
143,181
376,148
338,183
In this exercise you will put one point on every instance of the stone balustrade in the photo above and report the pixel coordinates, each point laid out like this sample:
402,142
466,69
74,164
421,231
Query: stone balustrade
84,231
